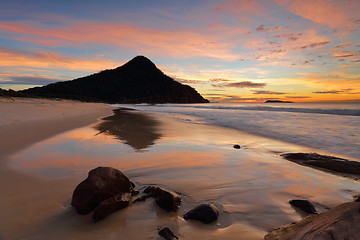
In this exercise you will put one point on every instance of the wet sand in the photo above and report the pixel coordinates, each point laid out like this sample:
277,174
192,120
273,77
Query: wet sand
251,186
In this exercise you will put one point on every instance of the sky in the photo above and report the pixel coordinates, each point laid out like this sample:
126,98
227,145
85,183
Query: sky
228,50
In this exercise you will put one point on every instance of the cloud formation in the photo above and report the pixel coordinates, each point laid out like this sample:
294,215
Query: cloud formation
147,40
267,92
348,91
262,28
244,84
28,80
10,57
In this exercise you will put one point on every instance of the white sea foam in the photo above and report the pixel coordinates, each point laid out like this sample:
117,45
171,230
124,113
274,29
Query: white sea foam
334,128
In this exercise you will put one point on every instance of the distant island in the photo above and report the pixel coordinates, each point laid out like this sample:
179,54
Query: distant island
277,101
137,81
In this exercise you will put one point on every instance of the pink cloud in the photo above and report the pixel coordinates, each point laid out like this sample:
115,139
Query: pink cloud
262,28
244,9
330,12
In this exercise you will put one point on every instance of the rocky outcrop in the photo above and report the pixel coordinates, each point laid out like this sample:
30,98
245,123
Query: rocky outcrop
101,184
327,163
206,213
137,81
340,222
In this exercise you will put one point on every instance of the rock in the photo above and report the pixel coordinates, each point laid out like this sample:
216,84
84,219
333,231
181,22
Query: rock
113,204
167,234
135,193
142,198
206,213
165,199
340,222
101,184
324,162
237,146
356,198
303,205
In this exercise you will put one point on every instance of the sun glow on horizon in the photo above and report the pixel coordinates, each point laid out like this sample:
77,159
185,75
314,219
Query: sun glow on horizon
228,50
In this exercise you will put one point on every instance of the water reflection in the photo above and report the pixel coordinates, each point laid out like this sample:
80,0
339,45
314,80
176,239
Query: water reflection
137,130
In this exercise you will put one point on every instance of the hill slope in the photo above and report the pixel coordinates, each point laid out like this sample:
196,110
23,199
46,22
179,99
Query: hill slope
137,81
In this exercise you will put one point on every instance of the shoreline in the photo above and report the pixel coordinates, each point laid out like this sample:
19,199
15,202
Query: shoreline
330,134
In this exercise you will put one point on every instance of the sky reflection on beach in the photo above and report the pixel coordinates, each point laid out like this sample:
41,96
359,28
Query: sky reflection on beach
252,185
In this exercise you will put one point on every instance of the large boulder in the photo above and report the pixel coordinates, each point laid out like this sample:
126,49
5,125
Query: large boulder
101,184
110,205
206,213
340,222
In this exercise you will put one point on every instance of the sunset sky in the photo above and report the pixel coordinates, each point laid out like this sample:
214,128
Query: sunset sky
228,50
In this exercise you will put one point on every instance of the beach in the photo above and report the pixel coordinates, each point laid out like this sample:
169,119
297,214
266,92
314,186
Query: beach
50,146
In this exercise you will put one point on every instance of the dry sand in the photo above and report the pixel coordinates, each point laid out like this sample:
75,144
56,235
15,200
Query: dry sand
26,121
251,186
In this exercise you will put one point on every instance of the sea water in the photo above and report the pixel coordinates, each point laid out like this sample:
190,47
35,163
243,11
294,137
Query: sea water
333,128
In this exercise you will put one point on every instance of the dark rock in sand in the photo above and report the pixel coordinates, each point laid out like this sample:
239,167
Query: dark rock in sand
237,146
165,199
135,193
206,213
113,204
142,198
303,205
323,162
101,184
356,198
167,234
340,222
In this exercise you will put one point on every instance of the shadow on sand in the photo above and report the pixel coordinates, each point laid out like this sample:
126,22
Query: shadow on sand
135,129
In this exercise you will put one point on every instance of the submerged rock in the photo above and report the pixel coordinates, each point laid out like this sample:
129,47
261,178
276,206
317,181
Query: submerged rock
167,234
113,204
324,162
206,213
101,184
340,222
303,205
165,199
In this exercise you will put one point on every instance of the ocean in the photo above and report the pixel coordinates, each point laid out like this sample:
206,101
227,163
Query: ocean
333,128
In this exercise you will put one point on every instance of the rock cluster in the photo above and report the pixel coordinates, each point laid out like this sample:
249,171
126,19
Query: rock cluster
107,190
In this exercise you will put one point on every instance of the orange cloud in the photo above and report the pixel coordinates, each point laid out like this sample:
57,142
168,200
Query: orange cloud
18,58
344,54
179,43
